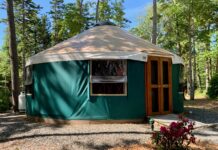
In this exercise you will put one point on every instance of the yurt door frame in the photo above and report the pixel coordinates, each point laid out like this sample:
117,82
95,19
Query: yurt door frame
159,85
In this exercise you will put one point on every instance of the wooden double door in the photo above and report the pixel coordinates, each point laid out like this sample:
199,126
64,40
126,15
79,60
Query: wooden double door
158,86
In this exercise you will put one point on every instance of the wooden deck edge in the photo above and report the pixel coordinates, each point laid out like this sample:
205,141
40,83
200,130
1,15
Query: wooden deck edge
72,122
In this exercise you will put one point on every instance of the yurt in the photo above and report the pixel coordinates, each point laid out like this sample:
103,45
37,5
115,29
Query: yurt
103,74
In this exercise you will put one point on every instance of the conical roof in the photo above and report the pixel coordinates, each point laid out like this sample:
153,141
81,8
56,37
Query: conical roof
101,42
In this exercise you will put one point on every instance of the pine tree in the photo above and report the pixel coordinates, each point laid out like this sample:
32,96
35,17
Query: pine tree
76,18
57,11
119,14
154,27
42,34
104,10
26,20
13,54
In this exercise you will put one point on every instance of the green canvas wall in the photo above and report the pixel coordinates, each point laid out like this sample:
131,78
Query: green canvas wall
61,90
178,99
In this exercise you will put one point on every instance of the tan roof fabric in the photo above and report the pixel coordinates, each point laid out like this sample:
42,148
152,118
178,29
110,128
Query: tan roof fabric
100,42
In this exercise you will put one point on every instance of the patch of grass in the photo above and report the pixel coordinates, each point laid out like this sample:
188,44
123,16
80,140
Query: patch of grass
199,94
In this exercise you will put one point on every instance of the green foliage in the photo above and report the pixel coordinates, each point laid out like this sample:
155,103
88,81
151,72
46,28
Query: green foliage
179,21
57,10
4,64
144,29
212,91
112,11
43,35
105,10
4,79
76,19
26,21
118,13
4,99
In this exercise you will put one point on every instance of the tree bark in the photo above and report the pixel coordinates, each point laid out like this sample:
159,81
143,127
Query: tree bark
97,12
55,25
154,18
207,74
24,45
81,11
207,68
13,55
194,71
198,76
190,38
81,7
210,69
217,64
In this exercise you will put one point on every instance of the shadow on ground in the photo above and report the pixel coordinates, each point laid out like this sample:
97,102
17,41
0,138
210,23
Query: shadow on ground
13,124
68,134
92,145
202,115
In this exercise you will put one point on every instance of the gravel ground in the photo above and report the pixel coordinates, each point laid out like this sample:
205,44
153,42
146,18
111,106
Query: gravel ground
205,111
17,133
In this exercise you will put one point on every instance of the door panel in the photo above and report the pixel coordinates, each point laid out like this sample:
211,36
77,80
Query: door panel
159,85
165,99
155,100
154,72
165,72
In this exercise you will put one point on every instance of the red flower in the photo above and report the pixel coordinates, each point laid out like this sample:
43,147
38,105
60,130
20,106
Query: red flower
173,125
180,132
177,134
190,127
163,130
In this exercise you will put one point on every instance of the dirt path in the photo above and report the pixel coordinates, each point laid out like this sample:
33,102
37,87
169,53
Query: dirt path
205,111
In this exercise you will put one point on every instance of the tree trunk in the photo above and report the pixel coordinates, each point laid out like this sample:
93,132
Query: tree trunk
97,12
81,7
192,90
55,25
217,64
199,77
194,71
81,11
207,68
13,55
210,69
24,46
154,18
207,74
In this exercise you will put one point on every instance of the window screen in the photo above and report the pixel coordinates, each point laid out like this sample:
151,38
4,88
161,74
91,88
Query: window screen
29,81
28,75
108,77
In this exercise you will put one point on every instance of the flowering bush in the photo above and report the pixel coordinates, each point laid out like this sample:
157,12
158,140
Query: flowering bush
178,135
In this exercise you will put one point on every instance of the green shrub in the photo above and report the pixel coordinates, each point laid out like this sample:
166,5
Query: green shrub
212,91
4,99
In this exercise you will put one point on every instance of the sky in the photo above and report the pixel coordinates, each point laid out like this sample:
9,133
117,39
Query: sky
132,8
